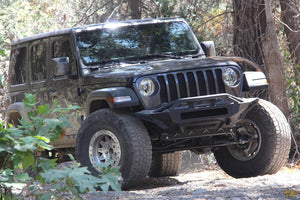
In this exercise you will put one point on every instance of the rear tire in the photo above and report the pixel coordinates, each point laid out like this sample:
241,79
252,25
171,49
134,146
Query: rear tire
167,164
115,139
269,148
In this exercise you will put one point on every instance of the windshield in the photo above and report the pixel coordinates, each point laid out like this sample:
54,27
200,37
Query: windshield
135,42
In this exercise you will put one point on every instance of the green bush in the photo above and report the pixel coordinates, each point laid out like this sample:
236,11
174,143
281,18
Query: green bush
24,174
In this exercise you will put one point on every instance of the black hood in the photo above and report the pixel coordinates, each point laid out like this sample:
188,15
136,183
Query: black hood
125,70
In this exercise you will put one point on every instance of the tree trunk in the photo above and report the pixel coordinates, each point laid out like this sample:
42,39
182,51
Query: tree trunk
246,37
135,7
290,15
255,38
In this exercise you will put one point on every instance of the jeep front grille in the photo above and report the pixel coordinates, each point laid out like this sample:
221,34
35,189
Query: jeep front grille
190,84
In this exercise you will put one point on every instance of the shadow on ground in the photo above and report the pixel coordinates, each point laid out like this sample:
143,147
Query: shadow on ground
152,183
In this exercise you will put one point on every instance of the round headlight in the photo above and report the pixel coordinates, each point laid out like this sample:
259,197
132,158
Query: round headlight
230,77
146,87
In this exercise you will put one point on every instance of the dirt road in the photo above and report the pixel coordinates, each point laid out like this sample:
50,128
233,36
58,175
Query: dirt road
213,184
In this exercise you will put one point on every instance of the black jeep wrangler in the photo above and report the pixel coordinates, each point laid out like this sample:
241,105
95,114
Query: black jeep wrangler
148,90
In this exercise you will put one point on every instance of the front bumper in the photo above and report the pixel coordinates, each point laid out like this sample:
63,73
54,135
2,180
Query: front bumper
208,112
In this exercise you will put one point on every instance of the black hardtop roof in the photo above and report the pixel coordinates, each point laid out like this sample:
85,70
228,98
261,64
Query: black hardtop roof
93,27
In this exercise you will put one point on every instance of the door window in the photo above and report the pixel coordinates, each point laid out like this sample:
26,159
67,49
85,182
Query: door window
38,62
61,48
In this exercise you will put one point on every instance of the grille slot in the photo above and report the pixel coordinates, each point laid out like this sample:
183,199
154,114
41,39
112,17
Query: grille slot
204,113
190,84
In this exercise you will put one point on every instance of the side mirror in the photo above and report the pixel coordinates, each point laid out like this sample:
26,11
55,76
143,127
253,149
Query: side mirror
61,66
208,48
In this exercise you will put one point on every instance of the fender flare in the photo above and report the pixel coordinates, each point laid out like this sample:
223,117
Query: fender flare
16,111
107,95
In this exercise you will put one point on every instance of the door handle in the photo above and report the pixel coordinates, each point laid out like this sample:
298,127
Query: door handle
53,94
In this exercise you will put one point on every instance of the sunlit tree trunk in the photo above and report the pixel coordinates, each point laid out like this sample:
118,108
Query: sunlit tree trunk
273,61
255,38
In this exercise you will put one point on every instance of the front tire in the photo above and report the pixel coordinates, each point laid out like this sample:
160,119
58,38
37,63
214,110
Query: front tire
115,139
269,146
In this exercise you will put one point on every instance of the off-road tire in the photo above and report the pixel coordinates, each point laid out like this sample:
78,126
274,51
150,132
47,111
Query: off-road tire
134,140
274,147
167,164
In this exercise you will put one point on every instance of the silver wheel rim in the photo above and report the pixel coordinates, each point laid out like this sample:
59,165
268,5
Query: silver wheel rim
249,150
104,148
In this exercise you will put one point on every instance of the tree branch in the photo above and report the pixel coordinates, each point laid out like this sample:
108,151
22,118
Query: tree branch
115,9
284,24
214,17
92,13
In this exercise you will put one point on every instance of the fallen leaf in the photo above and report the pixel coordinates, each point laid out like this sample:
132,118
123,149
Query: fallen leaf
291,193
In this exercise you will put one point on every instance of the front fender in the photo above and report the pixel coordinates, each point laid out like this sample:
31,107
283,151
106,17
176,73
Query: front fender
254,81
15,112
116,97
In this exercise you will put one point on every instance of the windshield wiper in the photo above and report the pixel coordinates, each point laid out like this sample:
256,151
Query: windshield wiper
190,54
197,55
114,61
149,56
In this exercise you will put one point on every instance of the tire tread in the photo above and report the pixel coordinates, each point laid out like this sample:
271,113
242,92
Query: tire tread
167,164
276,142
139,144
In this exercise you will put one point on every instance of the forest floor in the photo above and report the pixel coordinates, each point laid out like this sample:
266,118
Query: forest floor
202,179
212,184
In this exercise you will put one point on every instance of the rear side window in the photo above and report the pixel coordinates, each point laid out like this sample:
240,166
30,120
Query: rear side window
17,74
38,62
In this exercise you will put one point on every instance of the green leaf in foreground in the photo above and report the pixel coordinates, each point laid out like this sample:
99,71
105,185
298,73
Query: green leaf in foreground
23,177
28,160
2,52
